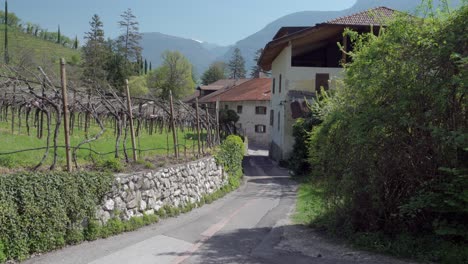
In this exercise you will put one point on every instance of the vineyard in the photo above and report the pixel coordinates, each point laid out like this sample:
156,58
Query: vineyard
49,123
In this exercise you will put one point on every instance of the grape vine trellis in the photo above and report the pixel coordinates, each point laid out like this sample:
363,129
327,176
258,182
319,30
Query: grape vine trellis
32,99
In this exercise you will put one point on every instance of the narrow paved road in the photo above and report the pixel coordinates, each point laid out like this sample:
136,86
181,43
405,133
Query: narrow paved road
250,225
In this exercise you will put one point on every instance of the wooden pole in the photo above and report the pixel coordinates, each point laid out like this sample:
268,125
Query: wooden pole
13,110
208,130
218,138
130,115
66,122
174,133
198,126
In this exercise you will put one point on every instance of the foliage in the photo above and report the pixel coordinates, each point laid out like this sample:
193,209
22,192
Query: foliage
228,119
40,212
215,72
138,86
95,53
112,165
175,74
392,148
256,70
129,40
237,65
230,156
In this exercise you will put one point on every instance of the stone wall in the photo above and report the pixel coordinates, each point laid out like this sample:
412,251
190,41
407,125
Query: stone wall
146,192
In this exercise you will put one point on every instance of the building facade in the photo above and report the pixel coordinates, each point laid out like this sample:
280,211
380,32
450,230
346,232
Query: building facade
304,60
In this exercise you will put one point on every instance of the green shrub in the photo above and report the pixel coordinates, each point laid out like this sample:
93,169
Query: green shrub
134,223
113,227
7,162
230,156
92,230
2,253
74,235
112,165
40,212
150,219
393,145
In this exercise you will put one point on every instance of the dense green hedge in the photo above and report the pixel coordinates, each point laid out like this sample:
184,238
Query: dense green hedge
392,150
230,156
40,212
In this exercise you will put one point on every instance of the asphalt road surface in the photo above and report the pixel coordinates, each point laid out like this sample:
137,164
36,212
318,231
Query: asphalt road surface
251,225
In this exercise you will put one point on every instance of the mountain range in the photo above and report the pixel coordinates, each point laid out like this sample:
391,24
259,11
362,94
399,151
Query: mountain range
201,54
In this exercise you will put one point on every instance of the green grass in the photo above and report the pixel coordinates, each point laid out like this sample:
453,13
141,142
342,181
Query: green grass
105,144
310,204
311,210
34,50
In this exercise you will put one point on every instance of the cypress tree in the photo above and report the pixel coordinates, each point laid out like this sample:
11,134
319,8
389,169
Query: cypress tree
75,44
7,58
59,40
150,67
146,66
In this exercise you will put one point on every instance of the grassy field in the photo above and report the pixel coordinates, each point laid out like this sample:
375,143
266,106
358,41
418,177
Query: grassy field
28,49
161,146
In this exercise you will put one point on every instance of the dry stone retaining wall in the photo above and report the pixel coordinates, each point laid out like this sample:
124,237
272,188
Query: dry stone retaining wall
146,192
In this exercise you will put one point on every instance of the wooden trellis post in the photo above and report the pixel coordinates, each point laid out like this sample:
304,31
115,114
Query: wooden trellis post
66,122
130,115
174,133
198,126
218,137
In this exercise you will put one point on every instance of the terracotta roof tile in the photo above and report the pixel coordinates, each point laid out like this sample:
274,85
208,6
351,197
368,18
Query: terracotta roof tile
253,90
221,84
375,16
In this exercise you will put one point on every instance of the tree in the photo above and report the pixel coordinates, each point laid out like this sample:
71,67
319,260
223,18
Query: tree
146,66
129,40
237,65
7,58
175,74
215,72
95,53
75,43
256,69
59,40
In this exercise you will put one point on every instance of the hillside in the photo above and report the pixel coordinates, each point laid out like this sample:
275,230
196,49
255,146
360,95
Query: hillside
154,44
30,51
249,45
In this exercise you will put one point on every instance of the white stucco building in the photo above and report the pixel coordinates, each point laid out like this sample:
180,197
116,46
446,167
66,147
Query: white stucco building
304,59
251,101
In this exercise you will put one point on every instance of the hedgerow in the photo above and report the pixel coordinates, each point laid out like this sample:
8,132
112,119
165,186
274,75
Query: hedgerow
392,153
230,156
40,212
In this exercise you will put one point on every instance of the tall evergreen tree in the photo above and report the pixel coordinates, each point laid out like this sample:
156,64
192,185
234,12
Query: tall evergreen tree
59,37
95,52
7,58
256,70
237,65
75,43
150,67
129,40
146,66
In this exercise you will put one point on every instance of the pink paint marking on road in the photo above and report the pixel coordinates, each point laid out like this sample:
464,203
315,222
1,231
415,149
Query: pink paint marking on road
211,231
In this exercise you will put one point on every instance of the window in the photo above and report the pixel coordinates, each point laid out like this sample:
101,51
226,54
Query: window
279,120
260,110
274,83
321,80
272,117
239,109
260,129
226,107
280,81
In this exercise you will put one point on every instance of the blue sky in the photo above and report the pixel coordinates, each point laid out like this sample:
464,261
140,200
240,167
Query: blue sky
217,21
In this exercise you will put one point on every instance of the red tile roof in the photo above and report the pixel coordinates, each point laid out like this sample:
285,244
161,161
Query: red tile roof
253,90
375,16
221,84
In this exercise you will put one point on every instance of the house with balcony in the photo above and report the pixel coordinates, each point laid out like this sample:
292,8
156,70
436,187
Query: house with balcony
304,59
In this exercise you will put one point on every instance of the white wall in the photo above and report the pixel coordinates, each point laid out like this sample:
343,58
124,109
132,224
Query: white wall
293,78
248,119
